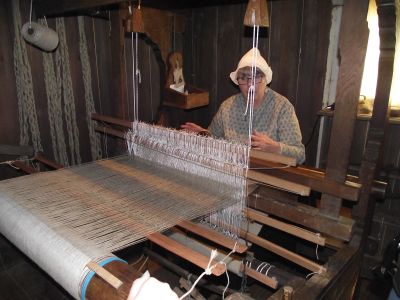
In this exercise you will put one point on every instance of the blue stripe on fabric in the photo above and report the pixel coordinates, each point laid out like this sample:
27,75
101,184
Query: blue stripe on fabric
91,274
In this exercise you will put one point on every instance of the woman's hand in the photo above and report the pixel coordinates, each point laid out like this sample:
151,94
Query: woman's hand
191,127
263,142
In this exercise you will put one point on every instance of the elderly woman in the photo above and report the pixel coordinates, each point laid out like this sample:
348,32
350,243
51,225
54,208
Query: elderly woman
275,125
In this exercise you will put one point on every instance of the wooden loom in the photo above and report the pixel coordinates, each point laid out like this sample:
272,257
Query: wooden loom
340,228
342,233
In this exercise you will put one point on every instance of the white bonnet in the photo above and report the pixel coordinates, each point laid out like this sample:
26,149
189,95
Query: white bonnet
247,61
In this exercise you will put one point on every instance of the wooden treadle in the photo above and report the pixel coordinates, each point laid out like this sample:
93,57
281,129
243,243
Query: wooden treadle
185,252
213,236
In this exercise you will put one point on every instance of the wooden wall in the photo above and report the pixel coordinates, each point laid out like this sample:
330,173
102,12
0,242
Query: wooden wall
295,46
213,42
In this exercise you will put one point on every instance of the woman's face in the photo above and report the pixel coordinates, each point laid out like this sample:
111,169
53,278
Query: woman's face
244,80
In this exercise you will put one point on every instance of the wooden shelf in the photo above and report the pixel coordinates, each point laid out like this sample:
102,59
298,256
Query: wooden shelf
195,98
361,117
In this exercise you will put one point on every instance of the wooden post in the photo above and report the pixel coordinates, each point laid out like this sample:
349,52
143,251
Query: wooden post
372,158
352,47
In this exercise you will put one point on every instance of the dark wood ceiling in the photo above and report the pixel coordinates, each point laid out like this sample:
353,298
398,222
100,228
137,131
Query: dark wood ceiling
51,7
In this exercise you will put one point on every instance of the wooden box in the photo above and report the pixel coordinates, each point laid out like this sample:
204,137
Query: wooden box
195,98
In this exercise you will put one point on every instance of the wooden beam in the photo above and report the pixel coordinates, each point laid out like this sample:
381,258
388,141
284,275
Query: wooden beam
110,131
310,217
40,157
291,229
352,45
291,256
373,154
190,255
24,167
112,120
279,183
269,281
315,179
341,276
213,236
272,157
49,8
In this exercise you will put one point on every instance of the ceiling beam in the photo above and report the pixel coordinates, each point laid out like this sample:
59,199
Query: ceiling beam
49,8
52,8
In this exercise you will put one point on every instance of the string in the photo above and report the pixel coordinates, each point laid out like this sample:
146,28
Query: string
300,52
141,267
209,268
312,273
207,271
133,79
97,65
151,89
10,163
126,82
251,90
316,248
30,15
228,281
269,35
137,73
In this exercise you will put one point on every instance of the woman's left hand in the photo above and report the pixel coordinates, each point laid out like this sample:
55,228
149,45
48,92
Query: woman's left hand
263,142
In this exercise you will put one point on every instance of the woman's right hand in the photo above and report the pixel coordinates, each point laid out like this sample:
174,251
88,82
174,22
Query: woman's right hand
192,127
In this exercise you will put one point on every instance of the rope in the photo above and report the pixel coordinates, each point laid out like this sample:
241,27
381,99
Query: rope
65,84
250,94
95,146
208,271
54,108
29,126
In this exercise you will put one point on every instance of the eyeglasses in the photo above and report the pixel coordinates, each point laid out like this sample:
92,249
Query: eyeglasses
246,79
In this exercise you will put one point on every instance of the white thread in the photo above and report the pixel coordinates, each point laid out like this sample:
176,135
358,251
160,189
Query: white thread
142,265
209,268
316,248
228,281
266,273
207,271
312,273
135,102
30,14
126,84
97,65
10,163
300,50
261,264
151,88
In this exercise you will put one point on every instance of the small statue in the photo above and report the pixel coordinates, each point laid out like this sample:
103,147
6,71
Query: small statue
175,78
